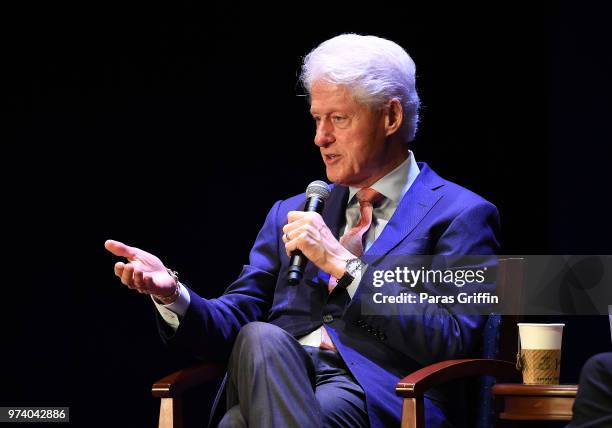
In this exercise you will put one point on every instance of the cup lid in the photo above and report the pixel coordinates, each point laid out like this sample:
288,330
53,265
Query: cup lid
535,324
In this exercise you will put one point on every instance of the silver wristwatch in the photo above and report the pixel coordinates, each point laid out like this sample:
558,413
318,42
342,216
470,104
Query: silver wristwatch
353,268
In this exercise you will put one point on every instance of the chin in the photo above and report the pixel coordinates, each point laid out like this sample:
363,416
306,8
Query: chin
337,177
334,177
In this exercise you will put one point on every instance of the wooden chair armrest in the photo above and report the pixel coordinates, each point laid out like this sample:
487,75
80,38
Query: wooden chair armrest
415,384
178,382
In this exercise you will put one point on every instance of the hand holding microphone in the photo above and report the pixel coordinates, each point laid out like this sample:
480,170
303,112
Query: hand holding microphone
307,237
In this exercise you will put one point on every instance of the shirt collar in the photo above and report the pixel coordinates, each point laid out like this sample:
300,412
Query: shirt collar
396,183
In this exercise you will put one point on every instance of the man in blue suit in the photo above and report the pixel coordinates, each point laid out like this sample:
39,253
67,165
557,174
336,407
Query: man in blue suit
324,352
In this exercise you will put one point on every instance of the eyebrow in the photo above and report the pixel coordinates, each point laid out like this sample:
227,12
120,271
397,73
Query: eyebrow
340,112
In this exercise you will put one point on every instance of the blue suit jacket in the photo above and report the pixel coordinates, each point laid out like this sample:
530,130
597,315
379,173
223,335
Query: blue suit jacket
379,343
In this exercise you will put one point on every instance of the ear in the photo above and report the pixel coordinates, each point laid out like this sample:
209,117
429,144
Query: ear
394,115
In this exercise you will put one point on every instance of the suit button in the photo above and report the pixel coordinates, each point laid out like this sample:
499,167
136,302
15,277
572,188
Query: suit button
383,336
327,318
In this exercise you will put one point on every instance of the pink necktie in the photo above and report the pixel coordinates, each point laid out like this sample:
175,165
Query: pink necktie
352,240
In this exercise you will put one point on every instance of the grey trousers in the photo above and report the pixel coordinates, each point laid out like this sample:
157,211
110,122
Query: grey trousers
274,381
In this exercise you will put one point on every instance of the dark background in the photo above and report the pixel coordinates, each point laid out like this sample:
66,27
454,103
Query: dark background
175,126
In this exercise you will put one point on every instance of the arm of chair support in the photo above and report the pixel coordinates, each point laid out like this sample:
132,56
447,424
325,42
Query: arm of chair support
415,384
178,382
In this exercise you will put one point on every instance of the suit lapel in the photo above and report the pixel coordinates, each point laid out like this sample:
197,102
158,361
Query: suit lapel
413,207
335,207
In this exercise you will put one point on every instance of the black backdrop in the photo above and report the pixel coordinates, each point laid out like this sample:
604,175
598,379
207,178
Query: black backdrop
174,127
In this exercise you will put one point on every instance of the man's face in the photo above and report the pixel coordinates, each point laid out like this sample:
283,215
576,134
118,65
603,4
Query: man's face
350,135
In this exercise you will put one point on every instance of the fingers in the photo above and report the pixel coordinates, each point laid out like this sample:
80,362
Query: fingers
294,244
120,249
299,215
134,278
119,268
139,281
149,285
297,238
297,219
127,276
299,231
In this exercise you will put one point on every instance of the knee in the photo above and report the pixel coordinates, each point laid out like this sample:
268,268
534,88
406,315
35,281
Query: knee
258,345
259,331
259,336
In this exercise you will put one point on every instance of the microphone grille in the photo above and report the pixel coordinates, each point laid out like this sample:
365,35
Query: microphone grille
318,188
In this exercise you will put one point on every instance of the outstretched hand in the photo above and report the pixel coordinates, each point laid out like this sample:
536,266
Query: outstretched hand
144,272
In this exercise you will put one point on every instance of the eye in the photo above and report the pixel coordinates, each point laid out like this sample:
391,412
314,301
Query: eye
339,119
316,119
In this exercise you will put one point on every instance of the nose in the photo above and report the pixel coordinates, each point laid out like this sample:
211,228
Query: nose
324,135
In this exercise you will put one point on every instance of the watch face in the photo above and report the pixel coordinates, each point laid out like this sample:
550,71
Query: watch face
353,266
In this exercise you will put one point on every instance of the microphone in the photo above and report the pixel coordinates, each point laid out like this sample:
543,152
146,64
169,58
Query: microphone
316,194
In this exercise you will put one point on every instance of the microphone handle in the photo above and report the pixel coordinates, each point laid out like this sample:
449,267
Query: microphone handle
298,260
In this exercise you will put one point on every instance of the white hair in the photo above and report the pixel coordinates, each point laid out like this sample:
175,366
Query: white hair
376,70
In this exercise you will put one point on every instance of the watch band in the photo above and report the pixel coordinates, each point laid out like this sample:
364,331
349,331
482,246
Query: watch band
345,280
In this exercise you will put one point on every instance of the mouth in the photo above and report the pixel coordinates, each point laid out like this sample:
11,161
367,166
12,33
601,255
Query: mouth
331,158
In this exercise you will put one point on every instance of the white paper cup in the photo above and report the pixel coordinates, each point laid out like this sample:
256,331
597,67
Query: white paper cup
540,357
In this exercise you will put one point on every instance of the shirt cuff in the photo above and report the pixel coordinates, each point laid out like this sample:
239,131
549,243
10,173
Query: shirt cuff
173,312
